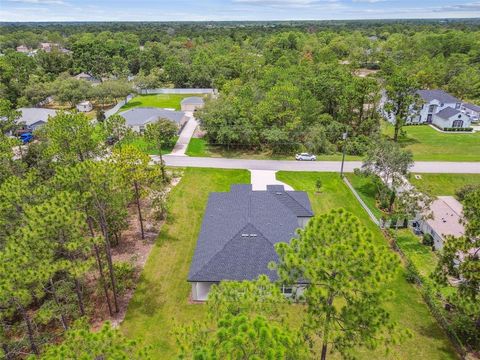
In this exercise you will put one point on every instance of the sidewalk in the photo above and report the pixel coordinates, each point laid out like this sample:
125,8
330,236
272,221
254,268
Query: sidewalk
185,136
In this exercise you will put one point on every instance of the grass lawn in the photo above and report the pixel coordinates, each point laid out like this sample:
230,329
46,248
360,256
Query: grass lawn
156,100
161,298
428,144
422,256
146,146
407,306
443,184
200,148
367,191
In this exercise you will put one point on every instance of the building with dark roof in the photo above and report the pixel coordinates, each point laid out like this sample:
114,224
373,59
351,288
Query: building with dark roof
471,110
138,118
239,231
439,95
33,118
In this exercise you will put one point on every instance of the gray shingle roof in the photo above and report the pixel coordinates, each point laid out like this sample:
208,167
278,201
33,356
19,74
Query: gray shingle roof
447,113
472,107
31,116
240,229
193,100
144,115
440,95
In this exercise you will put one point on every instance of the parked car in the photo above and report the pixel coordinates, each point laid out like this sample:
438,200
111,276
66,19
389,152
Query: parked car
26,137
305,157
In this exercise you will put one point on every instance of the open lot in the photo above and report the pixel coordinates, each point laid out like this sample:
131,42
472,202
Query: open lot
428,144
171,101
148,147
161,298
443,184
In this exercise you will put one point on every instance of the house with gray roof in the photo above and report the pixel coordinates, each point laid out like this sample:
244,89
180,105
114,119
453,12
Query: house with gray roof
471,110
439,108
239,231
33,118
138,118
192,103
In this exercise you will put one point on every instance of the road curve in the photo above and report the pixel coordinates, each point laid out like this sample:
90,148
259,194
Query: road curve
324,166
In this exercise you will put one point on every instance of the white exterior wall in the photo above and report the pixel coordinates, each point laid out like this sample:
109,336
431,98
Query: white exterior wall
200,290
85,107
448,123
474,115
421,116
427,229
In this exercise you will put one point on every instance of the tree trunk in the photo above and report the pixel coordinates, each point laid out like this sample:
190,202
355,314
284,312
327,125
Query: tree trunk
326,329
30,331
78,291
57,302
162,167
102,279
137,198
108,252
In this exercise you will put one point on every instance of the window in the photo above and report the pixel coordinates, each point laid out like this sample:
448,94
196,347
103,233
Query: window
458,123
457,106
431,108
142,129
287,290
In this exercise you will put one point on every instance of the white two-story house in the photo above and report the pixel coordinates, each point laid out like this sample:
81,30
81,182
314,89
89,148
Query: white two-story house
439,108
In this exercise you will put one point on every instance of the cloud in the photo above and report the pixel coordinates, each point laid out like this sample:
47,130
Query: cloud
285,3
39,2
473,6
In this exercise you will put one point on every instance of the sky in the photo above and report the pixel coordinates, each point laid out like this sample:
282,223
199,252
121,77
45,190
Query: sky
221,10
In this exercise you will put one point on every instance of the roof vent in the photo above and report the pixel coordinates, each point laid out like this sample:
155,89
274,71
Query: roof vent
279,193
244,235
253,235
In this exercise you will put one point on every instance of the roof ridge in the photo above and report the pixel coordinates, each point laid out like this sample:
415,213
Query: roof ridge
286,192
228,242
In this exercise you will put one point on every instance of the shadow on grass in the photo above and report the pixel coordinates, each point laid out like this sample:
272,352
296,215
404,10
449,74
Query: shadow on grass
143,302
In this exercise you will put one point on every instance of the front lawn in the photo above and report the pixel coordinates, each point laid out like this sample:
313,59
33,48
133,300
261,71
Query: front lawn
170,101
428,144
443,184
146,146
200,148
422,256
161,299
367,191
407,306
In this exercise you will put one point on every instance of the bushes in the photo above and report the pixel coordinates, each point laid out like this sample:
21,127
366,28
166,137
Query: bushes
469,129
465,190
427,239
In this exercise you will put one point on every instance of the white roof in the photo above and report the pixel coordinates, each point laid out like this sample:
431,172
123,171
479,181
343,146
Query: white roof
32,115
447,213
84,103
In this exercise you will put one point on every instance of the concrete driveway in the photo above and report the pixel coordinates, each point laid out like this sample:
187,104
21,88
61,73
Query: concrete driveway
261,178
185,136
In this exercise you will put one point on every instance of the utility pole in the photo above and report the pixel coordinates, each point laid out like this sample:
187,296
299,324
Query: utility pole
344,137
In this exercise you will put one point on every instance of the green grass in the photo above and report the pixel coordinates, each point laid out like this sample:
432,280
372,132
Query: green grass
367,191
407,306
171,101
146,146
422,256
200,148
428,144
161,298
443,184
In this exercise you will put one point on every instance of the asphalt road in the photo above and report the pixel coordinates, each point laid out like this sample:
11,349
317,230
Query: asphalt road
325,166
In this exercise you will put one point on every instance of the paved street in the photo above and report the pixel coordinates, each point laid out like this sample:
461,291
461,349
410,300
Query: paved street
325,166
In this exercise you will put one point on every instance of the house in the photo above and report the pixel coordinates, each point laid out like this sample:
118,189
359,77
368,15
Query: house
138,118
23,49
34,118
192,103
440,109
86,77
471,110
447,213
238,234
84,106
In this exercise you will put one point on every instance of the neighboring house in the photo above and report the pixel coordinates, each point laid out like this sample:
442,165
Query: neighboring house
447,213
84,106
33,118
138,118
86,77
440,109
192,103
238,234
471,110
23,49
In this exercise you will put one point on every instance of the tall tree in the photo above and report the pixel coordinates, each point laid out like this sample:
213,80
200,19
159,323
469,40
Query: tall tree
347,273
162,133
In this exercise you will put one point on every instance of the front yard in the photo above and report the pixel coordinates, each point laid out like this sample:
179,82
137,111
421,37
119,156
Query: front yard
169,101
161,298
146,146
428,144
443,184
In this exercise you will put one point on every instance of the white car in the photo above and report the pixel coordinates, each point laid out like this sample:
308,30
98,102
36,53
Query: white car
305,157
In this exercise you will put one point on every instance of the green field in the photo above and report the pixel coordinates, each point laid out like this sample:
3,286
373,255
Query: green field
171,101
428,144
443,184
200,148
161,302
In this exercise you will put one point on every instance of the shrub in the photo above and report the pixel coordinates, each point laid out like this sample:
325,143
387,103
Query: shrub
427,239
125,273
465,190
411,273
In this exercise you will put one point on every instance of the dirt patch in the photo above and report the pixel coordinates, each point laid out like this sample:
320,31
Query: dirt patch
134,250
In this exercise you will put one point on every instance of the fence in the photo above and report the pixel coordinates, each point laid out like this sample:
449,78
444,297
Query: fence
360,200
117,107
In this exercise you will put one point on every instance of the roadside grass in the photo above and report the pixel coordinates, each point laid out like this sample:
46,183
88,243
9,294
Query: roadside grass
156,100
406,307
367,191
148,147
199,147
422,256
428,144
161,299
443,184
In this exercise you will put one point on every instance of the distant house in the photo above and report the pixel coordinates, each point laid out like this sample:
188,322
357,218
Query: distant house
192,103
86,77
34,118
84,106
447,213
238,234
471,110
23,49
440,109
48,47
138,118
